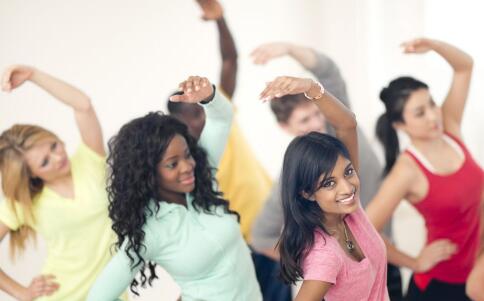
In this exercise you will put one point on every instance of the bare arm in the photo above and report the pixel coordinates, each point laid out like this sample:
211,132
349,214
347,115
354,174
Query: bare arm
40,286
474,287
344,122
313,290
85,116
462,64
7,284
395,188
267,52
212,10
228,51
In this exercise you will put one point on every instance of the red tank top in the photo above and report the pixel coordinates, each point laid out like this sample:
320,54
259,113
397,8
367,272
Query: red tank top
451,210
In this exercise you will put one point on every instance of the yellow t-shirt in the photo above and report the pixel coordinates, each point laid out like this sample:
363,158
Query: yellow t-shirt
77,231
243,180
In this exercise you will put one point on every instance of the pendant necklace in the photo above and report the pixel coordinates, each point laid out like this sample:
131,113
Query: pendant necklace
349,243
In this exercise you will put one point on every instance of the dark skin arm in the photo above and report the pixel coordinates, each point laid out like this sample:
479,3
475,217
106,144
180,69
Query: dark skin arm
228,74
212,10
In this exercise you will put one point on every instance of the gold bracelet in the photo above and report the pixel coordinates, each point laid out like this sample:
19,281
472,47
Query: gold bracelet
321,90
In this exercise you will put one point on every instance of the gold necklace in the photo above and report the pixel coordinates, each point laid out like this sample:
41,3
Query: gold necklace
349,243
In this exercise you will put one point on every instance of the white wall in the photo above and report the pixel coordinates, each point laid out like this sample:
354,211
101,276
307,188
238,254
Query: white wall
128,55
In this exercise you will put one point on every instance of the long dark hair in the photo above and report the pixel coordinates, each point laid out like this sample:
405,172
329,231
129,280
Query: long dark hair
133,182
394,97
306,159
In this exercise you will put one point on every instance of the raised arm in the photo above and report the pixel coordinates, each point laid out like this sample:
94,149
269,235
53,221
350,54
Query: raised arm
218,110
320,65
340,117
86,118
462,64
212,11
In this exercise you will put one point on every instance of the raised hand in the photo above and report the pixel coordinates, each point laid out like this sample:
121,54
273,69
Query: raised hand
266,52
14,76
420,45
212,10
287,85
42,285
435,252
195,89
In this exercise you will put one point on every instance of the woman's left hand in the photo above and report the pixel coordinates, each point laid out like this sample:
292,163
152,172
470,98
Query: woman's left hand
195,89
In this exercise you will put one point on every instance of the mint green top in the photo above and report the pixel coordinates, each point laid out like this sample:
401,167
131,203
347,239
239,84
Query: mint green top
204,253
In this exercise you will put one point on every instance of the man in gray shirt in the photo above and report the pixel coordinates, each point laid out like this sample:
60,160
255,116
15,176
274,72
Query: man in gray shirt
297,116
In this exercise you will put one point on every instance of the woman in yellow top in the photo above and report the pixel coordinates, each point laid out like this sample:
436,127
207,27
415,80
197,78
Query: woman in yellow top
63,199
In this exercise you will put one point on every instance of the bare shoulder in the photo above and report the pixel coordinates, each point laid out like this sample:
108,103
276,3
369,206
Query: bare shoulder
404,168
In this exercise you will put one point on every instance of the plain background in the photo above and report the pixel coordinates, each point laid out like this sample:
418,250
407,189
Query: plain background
129,55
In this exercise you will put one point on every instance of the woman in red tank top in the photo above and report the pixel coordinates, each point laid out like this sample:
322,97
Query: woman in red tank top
436,174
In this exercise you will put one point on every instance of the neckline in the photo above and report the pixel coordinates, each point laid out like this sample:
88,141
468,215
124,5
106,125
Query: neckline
428,166
341,249
51,191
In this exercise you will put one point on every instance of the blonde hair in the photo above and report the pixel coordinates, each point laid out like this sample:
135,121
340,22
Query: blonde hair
18,184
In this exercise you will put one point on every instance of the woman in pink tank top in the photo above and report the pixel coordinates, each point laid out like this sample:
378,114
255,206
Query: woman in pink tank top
436,174
327,240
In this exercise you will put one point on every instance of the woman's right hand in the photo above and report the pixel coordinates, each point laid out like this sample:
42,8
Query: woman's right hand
42,285
434,253
15,75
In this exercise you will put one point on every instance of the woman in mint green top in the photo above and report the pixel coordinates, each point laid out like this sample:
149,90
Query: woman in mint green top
166,210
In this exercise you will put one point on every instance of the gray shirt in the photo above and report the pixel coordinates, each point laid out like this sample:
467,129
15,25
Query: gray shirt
268,225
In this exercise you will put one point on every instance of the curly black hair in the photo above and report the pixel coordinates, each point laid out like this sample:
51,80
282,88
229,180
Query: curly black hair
133,182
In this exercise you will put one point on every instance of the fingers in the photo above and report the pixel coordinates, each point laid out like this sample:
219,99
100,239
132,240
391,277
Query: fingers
407,47
276,88
43,285
6,80
259,56
272,89
284,85
194,88
262,54
442,249
414,46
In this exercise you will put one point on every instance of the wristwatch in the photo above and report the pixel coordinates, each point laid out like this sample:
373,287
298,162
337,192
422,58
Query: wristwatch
321,90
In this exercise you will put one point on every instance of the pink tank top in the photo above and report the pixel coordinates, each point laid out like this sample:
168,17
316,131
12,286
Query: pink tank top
451,210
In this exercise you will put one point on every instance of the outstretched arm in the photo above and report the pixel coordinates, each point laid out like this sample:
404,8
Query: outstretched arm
462,64
86,118
212,10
